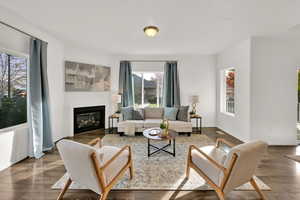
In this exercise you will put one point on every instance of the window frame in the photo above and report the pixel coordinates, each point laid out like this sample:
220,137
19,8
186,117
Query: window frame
19,54
143,97
223,92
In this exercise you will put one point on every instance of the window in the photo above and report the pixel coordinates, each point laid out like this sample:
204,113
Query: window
228,85
147,88
13,93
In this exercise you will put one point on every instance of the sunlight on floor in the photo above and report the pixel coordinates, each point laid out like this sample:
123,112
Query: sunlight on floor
297,164
298,132
297,150
180,183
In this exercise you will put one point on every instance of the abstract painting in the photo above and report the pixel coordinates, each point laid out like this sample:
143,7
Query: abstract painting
86,77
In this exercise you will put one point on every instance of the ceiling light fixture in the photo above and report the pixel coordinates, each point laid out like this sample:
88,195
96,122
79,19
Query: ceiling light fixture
151,31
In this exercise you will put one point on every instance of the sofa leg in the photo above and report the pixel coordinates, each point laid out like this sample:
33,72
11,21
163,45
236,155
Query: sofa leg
121,133
189,134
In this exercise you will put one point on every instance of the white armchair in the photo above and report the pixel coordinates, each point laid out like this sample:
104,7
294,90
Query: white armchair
224,172
94,166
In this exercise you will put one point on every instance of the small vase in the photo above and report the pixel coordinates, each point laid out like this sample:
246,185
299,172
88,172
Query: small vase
165,132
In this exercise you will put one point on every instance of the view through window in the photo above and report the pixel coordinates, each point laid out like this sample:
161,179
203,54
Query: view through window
148,88
229,90
13,78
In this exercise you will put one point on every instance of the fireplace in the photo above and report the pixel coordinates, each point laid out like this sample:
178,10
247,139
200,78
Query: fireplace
89,118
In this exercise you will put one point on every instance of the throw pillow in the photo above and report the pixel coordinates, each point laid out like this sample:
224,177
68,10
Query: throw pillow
171,113
138,114
183,113
127,113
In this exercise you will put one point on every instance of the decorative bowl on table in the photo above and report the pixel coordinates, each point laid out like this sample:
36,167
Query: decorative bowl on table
155,132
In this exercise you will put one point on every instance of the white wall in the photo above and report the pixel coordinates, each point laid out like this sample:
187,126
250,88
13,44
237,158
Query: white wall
13,145
82,99
274,89
16,138
238,57
196,76
265,89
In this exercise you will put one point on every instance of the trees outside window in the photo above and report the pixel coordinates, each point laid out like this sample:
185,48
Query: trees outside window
228,100
148,88
13,89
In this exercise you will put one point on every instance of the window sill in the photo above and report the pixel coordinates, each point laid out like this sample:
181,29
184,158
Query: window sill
228,114
12,128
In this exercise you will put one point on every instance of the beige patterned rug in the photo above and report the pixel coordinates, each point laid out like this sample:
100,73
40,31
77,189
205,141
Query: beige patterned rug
161,171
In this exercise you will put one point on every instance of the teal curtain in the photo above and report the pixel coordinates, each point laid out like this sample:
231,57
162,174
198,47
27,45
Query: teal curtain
125,84
40,135
171,90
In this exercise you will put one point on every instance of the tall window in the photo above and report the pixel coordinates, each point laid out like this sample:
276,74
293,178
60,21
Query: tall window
13,79
228,78
148,88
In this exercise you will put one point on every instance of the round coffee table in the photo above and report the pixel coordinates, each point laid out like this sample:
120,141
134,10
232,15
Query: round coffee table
171,137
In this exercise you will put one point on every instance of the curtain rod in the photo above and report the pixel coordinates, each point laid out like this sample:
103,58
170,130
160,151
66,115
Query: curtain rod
151,60
19,30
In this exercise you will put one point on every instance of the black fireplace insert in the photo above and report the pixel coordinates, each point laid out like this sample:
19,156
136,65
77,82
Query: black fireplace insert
89,118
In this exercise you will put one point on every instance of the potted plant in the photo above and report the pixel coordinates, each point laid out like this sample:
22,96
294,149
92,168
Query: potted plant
164,126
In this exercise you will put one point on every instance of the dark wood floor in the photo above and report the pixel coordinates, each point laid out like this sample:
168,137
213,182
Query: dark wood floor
32,179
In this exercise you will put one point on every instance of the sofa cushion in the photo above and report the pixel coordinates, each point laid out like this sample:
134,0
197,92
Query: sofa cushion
138,123
182,114
175,125
151,123
138,114
127,113
170,113
153,113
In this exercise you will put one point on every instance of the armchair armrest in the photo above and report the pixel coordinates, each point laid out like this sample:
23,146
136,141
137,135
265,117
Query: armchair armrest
222,140
96,143
100,169
211,160
116,155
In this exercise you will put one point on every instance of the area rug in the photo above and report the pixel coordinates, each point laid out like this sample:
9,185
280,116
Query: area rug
293,157
161,171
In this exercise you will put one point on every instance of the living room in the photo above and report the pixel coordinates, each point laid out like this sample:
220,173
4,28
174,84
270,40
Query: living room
203,47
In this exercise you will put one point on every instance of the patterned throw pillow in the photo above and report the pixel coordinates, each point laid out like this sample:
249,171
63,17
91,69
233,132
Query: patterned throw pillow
170,113
138,114
127,113
183,113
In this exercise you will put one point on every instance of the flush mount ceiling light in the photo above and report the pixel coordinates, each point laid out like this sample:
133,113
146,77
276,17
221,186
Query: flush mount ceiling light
151,31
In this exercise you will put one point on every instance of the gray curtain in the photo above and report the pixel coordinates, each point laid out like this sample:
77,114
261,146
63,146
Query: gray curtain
40,137
171,91
125,83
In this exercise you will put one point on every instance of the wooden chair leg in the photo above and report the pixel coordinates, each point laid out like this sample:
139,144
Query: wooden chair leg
220,194
103,196
63,191
187,173
188,168
254,184
131,171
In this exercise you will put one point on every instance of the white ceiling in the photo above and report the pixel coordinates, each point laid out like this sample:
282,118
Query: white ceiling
186,26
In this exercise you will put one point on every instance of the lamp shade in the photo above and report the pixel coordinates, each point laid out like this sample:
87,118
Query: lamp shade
194,99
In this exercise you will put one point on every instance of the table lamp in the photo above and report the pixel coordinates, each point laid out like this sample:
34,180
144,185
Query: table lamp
194,101
117,99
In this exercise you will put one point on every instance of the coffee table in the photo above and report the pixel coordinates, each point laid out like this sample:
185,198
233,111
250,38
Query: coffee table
171,138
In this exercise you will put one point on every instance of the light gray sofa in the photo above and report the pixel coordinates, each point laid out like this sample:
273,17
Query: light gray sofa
152,118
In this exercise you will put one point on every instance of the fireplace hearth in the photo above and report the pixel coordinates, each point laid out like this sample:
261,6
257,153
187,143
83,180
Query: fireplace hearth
89,118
